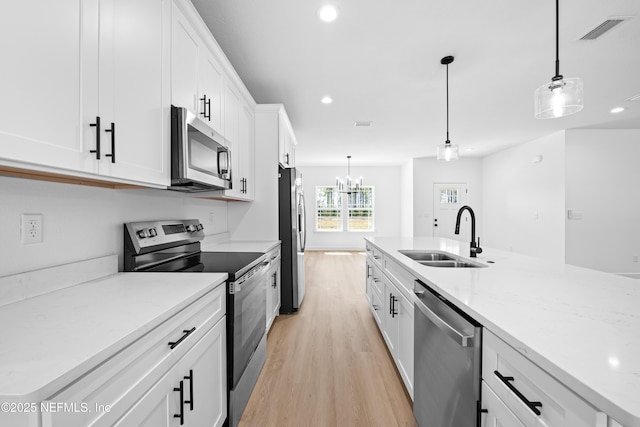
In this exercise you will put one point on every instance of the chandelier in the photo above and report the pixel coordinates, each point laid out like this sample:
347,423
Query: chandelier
446,151
349,185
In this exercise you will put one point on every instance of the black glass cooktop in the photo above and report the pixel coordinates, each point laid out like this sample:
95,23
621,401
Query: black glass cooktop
233,263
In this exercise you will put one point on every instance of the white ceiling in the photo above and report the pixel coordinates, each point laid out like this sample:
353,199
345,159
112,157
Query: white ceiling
380,61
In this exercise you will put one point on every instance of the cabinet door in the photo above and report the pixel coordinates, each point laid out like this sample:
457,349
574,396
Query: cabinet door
157,407
283,132
204,376
134,89
210,88
231,132
497,415
275,292
49,56
405,341
246,151
390,323
185,45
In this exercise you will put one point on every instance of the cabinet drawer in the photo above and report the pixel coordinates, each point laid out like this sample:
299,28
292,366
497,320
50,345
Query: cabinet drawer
401,277
560,406
273,254
121,380
376,281
497,412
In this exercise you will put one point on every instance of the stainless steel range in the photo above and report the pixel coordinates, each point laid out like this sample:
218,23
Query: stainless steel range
174,246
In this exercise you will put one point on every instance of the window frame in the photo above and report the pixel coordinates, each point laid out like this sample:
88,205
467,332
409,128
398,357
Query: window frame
338,209
344,211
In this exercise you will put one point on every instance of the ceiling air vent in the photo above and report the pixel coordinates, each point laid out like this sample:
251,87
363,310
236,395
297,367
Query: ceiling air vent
634,98
604,27
362,124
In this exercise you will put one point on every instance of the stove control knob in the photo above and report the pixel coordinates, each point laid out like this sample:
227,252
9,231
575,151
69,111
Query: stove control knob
142,233
191,228
153,232
199,227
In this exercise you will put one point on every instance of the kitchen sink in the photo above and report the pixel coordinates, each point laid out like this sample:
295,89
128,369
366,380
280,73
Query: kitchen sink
452,264
439,259
427,256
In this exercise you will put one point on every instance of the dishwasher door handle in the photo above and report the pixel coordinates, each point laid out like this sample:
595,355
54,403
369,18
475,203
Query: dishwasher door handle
454,334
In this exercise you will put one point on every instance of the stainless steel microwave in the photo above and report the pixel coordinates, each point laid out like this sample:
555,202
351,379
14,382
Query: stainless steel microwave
200,157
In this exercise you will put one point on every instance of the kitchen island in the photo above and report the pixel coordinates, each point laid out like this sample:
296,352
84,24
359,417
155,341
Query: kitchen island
580,326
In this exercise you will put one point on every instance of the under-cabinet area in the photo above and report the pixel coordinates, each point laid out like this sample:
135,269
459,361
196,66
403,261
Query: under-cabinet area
532,374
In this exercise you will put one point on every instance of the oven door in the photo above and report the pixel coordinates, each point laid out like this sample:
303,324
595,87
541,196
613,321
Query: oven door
246,319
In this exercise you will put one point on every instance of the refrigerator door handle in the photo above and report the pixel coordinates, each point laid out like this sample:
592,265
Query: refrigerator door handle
302,223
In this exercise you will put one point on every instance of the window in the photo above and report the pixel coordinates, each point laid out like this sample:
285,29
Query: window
332,209
449,196
360,207
328,209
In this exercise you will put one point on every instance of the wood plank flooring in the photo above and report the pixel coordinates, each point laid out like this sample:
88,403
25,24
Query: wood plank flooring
327,365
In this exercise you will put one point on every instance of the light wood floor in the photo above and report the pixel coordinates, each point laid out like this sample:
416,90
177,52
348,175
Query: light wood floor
327,365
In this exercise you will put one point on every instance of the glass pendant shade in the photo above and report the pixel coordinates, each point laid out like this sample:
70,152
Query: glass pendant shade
562,97
447,152
349,185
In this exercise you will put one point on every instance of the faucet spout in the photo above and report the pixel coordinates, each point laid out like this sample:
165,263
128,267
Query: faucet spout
475,248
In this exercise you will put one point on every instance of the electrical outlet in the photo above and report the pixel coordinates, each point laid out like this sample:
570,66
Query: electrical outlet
635,258
211,219
31,229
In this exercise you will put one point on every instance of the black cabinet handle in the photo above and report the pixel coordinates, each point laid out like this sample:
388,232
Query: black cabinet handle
181,414
287,157
113,142
206,103
369,268
394,313
187,332
390,302
97,126
275,280
190,378
507,381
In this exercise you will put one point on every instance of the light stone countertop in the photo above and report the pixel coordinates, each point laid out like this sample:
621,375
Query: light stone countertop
49,340
581,326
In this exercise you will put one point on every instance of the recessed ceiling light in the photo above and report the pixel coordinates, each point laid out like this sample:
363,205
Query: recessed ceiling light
328,13
617,110
469,149
326,100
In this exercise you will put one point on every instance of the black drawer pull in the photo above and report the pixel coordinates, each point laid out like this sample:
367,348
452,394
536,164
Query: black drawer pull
507,381
181,414
190,378
187,332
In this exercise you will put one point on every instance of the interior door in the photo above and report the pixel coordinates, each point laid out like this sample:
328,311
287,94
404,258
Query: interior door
448,198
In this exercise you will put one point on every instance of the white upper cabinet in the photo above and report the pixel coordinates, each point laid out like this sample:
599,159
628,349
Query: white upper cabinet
286,143
44,57
134,90
71,71
196,77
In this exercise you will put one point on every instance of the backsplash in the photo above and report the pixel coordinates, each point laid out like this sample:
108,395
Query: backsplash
81,222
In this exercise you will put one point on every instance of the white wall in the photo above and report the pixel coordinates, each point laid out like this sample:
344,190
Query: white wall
82,222
426,172
387,215
406,199
602,181
523,202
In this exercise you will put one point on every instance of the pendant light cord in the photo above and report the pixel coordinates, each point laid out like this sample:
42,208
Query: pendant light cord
557,76
447,141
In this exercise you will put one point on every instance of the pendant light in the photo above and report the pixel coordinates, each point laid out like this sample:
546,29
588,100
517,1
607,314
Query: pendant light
561,97
446,151
348,185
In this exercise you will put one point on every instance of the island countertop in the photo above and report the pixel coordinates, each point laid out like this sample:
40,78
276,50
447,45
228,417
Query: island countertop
581,326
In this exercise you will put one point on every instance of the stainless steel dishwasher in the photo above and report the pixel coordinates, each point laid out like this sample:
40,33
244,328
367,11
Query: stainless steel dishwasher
447,352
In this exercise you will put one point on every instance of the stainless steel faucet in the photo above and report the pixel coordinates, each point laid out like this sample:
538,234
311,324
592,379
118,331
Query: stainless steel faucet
475,248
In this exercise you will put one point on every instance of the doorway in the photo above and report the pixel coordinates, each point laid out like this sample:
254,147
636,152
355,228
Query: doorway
448,198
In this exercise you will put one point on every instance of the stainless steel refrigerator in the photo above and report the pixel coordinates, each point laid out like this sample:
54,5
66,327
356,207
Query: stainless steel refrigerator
292,224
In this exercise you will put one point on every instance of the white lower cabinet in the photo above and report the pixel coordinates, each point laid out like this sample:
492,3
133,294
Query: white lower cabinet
273,286
140,385
393,312
532,396
497,415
